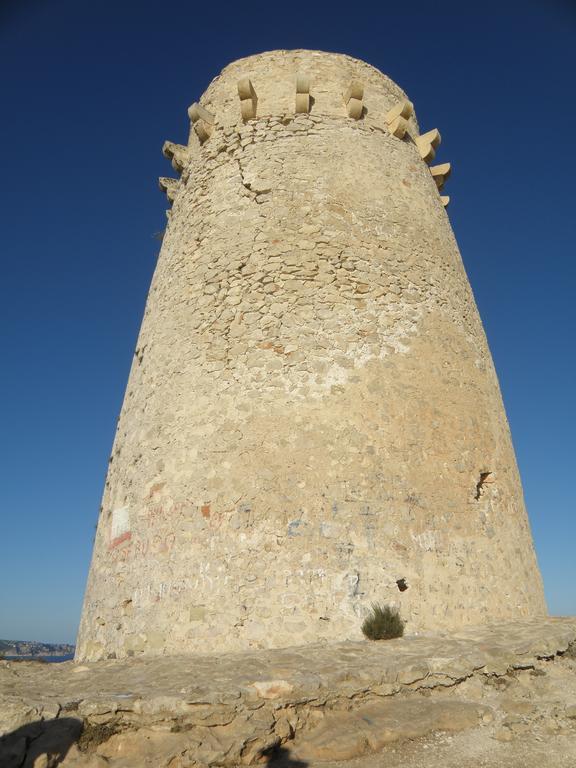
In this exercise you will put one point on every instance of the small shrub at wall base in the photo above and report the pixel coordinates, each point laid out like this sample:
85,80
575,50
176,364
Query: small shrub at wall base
383,623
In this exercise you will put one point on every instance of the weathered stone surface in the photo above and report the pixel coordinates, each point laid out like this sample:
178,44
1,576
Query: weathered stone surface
312,410
345,735
172,712
156,747
273,689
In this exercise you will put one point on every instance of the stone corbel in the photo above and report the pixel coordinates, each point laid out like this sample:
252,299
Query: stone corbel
248,98
354,99
445,200
178,154
397,118
169,186
427,144
202,121
302,94
440,173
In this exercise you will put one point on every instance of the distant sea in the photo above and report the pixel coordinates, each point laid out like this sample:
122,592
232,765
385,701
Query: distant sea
53,659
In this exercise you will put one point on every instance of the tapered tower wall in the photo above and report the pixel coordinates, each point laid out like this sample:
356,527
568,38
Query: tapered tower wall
312,421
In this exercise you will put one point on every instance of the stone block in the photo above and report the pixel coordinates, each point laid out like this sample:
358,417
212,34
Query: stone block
302,103
398,127
440,173
427,143
432,137
355,108
354,91
353,98
246,89
155,640
178,154
404,109
169,187
248,99
302,94
198,112
302,84
202,121
203,131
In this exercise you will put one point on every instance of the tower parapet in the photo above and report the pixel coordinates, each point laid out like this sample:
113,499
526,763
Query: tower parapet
312,421
285,91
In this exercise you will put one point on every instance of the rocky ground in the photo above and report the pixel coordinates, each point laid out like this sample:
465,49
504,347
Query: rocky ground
532,723
485,697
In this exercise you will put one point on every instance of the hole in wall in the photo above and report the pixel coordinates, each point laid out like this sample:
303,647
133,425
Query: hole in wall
401,584
485,477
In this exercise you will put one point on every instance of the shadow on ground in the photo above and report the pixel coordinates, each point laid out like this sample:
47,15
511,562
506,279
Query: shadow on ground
52,738
280,758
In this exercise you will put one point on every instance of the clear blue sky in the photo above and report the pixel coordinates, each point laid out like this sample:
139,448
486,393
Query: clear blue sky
89,92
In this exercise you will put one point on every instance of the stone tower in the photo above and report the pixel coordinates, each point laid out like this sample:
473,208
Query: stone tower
312,421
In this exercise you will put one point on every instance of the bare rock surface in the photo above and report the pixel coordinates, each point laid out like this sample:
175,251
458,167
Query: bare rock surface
503,686
347,734
532,727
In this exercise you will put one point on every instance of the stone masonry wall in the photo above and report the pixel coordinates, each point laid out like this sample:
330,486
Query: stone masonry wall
312,414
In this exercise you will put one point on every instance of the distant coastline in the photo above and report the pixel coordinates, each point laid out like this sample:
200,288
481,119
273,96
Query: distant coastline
46,659
13,650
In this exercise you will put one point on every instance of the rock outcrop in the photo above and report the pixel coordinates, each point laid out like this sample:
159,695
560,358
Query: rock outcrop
327,702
